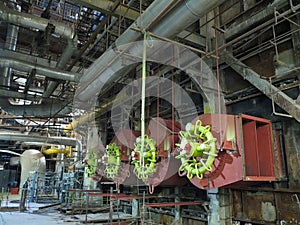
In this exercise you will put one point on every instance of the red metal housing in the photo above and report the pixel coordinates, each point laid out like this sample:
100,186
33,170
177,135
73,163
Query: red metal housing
165,134
245,151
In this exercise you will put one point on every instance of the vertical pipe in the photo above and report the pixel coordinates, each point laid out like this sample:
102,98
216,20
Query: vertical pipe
10,44
143,99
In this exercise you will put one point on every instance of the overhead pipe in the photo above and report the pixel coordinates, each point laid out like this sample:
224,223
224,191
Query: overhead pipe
53,73
51,151
182,16
54,108
18,95
152,14
61,64
32,21
5,136
30,59
11,42
10,152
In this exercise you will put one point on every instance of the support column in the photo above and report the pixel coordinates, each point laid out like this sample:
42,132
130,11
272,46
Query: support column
219,207
135,203
178,217
296,47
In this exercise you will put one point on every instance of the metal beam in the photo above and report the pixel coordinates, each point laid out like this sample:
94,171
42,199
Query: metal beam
281,99
107,8
168,204
33,138
242,27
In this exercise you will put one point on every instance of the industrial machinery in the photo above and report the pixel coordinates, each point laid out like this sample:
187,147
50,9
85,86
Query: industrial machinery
218,150
115,163
155,164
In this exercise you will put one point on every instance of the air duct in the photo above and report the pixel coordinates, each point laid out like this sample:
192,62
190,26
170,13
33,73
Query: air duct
11,42
31,21
186,13
65,57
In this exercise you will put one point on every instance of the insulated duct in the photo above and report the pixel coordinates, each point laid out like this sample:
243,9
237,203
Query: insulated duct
11,42
31,21
65,57
182,16
18,95
53,73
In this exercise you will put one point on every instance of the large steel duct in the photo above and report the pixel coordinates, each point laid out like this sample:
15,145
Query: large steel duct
11,42
65,57
31,21
170,25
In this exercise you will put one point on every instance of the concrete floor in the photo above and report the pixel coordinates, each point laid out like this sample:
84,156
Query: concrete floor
15,218
10,215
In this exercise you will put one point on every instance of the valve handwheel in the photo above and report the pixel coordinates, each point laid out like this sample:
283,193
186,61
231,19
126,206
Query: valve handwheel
198,150
148,155
112,160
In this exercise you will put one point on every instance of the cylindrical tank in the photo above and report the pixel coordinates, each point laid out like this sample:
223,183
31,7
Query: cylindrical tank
32,160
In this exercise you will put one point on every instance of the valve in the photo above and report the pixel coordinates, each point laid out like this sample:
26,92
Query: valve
144,160
92,162
112,160
197,150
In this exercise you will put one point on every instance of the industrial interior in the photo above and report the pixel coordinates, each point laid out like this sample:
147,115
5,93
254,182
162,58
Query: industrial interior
149,112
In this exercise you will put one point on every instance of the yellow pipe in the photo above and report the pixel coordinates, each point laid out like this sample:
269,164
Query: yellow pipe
83,119
56,151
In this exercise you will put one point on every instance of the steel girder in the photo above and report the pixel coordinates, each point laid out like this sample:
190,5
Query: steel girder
288,104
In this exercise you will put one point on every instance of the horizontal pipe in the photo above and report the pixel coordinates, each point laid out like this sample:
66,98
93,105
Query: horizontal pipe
51,151
53,73
182,16
45,109
19,95
32,21
33,138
